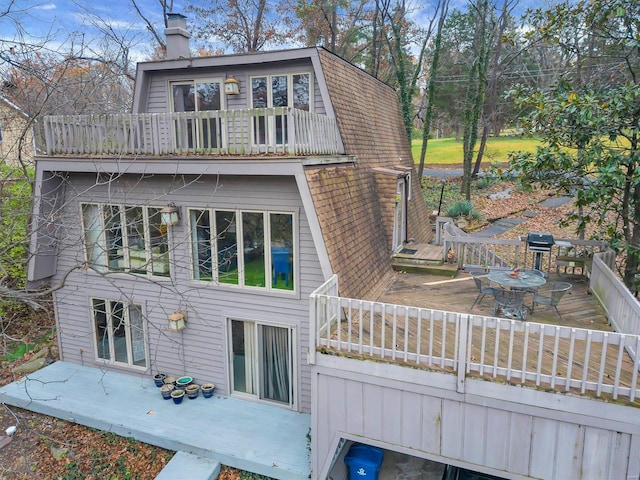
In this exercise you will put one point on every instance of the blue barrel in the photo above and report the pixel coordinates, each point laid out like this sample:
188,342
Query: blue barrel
364,462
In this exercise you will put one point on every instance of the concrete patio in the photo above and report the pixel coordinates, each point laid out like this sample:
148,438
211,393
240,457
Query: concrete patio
251,436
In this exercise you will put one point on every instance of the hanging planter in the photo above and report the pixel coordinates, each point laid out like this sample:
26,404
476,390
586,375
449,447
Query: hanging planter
177,321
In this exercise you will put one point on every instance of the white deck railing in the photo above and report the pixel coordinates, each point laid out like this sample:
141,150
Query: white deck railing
241,132
623,309
547,356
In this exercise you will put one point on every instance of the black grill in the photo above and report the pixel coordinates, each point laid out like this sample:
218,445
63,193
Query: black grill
540,242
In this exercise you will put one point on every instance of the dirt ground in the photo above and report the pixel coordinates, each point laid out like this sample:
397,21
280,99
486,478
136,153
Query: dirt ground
48,448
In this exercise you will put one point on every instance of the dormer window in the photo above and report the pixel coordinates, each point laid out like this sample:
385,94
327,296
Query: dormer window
278,91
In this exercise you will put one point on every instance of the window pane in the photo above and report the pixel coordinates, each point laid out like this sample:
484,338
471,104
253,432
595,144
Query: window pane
208,96
301,91
183,97
113,234
101,329
259,92
93,235
137,336
275,373
159,241
282,250
119,332
280,91
201,244
227,248
253,247
135,240
259,99
242,347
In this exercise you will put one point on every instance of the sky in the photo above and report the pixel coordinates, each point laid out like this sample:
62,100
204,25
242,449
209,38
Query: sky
60,20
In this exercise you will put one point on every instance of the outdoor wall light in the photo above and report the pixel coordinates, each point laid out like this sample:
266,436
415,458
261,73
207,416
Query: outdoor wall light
169,215
231,86
177,321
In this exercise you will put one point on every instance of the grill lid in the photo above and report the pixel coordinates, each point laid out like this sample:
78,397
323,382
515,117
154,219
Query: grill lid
540,240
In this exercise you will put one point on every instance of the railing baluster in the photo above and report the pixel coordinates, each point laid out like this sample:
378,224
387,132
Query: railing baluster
555,357
603,361
616,381
585,366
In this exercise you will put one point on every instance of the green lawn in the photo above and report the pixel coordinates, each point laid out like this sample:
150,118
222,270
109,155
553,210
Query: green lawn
449,150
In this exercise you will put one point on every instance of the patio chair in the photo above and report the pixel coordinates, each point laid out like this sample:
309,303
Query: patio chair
510,303
551,297
483,286
280,257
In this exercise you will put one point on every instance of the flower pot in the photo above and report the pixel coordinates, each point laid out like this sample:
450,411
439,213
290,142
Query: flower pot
177,396
207,390
159,379
170,381
184,382
166,390
192,391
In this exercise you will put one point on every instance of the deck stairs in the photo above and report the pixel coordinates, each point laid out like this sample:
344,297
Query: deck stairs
423,258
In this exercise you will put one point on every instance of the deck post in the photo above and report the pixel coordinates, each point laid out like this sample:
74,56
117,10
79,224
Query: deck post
313,329
461,361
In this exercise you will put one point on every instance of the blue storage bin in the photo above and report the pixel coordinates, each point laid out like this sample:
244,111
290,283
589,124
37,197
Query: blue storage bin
364,462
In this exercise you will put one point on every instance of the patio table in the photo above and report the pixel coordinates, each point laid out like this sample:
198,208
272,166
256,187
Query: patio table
519,286
522,282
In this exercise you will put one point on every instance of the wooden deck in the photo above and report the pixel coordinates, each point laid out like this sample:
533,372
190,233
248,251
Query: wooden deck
417,322
577,308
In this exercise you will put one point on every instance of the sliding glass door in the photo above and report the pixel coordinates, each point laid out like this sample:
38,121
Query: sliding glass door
262,361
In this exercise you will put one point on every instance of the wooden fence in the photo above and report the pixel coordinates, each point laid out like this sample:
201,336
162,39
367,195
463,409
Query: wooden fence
582,361
242,132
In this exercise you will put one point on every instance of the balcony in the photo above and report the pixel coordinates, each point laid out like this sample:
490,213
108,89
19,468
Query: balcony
264,131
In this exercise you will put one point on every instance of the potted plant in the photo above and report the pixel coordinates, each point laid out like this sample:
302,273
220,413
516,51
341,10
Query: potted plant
192,390
166,390
184,382
159,379
177,396
207,390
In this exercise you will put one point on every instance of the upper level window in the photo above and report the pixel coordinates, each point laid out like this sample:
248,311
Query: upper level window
125,238
197,96
245,248
286,90
119,333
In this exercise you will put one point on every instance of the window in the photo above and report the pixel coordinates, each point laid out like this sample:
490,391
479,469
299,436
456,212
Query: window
197,96
277,91
119,333
265,240
262,363
125,238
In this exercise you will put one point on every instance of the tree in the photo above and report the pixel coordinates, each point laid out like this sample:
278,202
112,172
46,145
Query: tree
431,86
590,125
243,25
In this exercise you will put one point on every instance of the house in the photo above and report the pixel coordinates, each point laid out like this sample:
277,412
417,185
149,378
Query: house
16,134
239,227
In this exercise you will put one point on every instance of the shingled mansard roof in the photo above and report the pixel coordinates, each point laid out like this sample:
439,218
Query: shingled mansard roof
355,203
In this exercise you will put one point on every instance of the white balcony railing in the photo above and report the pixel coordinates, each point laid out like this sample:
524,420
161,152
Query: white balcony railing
286,131
581,361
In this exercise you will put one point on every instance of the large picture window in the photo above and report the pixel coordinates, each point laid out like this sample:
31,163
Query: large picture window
262,361
286,90
121,238
119,333
245,248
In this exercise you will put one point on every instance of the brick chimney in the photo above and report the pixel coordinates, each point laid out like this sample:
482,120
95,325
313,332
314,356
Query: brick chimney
177,36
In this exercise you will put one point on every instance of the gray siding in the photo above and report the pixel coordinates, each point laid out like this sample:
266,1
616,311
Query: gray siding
158,100
201,349
508,431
